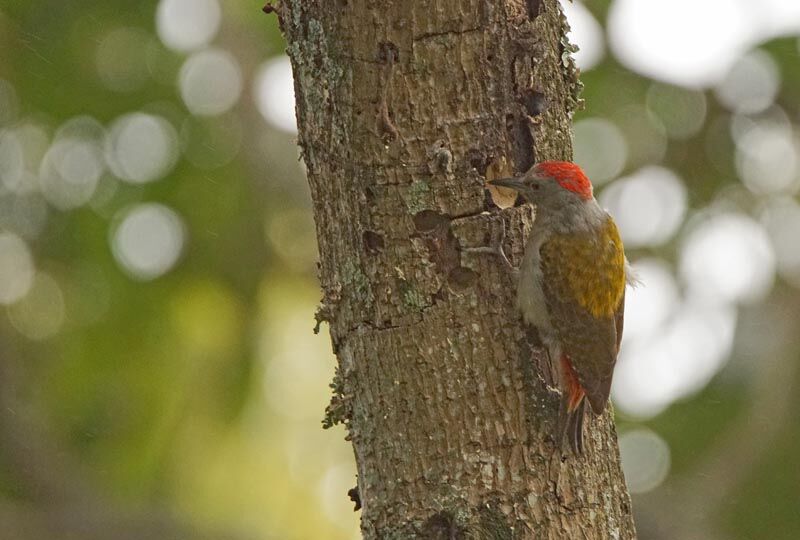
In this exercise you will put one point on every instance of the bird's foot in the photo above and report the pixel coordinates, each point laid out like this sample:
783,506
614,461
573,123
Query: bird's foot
495,248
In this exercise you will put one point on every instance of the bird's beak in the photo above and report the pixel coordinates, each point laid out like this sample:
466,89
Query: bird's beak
513,183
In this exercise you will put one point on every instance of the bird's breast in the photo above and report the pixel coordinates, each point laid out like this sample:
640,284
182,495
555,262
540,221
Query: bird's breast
591,268
530,296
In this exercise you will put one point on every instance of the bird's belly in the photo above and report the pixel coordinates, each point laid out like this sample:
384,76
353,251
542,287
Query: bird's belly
530,296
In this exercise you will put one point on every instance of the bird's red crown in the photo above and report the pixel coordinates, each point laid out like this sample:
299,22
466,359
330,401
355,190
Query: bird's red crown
568,175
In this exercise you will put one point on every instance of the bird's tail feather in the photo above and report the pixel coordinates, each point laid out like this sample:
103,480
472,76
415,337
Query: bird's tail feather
573,406
574,428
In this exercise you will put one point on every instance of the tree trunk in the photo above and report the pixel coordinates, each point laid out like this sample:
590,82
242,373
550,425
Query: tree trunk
403,109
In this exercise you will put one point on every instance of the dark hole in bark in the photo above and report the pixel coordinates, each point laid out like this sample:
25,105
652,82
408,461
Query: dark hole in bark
428,220
373,242
509,122
438,296
522,142
535,102
477,160
442,526
388,52
461,278
534,7
369,194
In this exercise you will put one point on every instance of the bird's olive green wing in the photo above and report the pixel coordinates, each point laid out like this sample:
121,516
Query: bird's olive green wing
584,289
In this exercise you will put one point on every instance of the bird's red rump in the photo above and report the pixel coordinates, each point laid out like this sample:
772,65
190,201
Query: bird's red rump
568,175
575,392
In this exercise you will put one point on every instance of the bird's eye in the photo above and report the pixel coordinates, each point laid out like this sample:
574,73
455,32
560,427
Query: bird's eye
535,187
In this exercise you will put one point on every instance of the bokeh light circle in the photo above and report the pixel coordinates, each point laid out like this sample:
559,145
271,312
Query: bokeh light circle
141,147
12,160
767,158
648,206
70,171
681,112
675,362
682,42
22,148
774,118
148,240
274,92
210,82
23,213
184,25
645,459
652,301
728,258
645,135
586,33
751,84
781,217
40,314
600,149
16,268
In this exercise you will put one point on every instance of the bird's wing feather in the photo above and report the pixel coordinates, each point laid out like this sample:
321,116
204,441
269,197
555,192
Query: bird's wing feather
584,289
619,319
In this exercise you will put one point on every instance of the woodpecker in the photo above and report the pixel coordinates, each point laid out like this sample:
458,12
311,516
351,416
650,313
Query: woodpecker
572,286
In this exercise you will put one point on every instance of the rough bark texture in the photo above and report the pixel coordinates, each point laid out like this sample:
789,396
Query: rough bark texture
402,109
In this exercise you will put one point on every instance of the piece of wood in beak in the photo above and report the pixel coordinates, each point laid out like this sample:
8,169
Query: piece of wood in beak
501,196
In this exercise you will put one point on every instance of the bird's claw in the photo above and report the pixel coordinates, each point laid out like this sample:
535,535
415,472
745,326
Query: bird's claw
495,248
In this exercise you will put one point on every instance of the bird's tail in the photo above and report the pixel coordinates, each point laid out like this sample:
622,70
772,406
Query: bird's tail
573,406
574,431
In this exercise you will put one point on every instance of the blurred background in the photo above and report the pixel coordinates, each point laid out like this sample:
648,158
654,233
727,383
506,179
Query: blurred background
158,373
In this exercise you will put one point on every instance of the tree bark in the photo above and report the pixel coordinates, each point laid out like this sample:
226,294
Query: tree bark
404,109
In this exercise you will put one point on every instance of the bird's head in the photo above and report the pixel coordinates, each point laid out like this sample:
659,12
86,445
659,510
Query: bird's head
550,181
